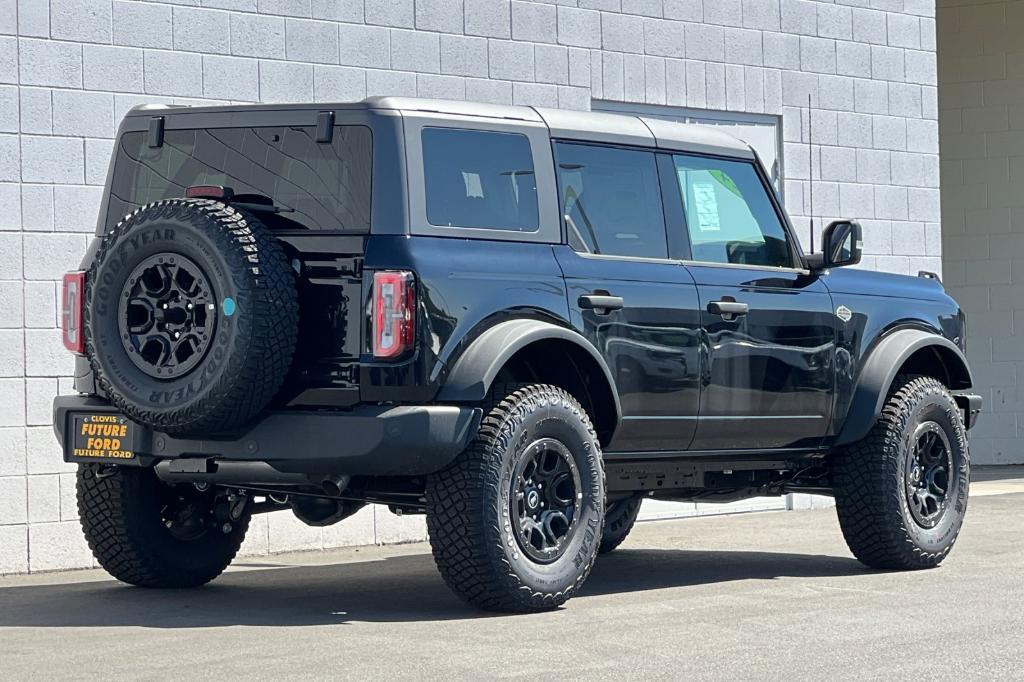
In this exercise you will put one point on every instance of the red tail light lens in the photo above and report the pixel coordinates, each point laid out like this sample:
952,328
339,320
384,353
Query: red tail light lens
394,313
71,312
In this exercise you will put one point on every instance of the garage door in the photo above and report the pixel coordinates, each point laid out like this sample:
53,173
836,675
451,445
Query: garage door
762,132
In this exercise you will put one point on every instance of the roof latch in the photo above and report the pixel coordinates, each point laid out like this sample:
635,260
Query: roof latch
325,126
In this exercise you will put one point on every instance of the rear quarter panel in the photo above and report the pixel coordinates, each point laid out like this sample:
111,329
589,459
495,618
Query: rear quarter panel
464,287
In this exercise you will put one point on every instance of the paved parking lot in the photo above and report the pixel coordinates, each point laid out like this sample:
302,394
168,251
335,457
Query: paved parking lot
766,596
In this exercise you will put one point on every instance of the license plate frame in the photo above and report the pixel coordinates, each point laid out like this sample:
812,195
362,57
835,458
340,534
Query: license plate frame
101,437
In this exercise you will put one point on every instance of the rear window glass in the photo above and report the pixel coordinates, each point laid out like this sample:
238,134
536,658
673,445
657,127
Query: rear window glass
479,179
317,186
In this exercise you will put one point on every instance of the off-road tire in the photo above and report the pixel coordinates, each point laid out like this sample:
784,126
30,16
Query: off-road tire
254,338
869,480
119,510
619,519
469,514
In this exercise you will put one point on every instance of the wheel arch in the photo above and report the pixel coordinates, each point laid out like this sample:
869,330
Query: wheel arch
534,350
905,351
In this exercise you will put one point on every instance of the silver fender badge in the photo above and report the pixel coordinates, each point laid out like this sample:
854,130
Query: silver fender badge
844,313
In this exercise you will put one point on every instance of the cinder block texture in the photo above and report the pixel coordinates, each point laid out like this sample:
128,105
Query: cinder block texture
981,134
70,69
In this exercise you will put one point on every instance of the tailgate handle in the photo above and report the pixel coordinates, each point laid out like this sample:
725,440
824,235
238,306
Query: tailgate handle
602,303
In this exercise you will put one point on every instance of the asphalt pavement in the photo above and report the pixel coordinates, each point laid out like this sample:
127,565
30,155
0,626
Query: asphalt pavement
754,596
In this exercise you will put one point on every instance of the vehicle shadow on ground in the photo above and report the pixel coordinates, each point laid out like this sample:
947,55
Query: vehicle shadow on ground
396,589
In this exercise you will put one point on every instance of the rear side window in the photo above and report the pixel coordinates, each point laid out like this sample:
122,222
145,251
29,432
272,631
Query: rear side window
479,179
611,201
729,215
317,186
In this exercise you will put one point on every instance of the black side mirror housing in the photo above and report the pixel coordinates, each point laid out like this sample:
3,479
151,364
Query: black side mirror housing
841,245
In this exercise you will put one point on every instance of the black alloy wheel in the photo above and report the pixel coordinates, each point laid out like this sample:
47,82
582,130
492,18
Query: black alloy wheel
187,513
929,462
545,499
167,315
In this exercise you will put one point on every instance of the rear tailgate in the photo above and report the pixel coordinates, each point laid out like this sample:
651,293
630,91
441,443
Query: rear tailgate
312,190
325,371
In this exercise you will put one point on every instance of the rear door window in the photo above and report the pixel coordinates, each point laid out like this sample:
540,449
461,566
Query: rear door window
479,179
610,200
316,186
729,216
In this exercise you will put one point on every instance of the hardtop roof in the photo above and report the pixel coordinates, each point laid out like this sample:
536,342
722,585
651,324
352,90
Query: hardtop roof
576,125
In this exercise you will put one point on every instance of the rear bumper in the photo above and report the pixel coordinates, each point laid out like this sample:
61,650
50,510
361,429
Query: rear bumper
372,440
971,405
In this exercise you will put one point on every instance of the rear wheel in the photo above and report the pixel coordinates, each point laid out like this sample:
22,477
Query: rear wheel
901,493
619,519
147,533
515,522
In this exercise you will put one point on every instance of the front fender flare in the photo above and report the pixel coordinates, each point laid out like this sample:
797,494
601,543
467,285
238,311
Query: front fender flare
475,370
880,369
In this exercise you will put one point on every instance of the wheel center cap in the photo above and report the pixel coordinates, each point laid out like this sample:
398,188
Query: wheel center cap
532,499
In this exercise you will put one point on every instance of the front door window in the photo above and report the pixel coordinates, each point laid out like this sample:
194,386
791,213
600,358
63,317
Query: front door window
729,215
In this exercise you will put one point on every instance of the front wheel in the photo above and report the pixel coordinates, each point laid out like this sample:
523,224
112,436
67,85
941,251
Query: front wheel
515,522
901,493
147,533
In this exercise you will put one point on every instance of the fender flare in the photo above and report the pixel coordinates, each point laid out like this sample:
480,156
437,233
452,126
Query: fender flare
475,370
880,369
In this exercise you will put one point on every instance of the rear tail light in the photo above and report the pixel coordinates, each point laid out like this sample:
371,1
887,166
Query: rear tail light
394,313
72,305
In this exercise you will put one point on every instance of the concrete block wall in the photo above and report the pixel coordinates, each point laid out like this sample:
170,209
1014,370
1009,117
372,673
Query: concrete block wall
69,69
981,135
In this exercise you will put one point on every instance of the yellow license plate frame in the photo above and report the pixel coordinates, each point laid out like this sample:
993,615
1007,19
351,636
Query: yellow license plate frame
102,437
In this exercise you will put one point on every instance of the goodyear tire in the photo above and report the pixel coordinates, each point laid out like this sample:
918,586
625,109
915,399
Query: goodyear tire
191,316
149,534
901,493
619,519
516,520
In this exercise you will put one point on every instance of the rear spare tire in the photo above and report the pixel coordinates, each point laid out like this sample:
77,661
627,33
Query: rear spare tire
191,316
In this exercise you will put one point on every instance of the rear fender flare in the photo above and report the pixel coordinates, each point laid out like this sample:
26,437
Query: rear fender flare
879,371
475,370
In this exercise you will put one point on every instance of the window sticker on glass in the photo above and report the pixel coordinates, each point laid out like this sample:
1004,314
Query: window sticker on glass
707,207
729,213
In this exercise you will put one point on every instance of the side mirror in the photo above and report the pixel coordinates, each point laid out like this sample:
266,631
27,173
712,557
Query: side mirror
841,244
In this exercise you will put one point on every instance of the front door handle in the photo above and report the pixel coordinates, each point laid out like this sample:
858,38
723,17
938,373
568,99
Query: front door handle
601,303
727,309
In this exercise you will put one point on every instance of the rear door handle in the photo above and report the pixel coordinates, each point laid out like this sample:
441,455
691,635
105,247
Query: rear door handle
600,302
727,308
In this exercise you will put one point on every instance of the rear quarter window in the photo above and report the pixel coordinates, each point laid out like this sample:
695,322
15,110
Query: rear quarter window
479,179
317,186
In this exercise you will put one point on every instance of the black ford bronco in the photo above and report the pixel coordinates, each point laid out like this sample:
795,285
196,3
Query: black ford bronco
517,321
